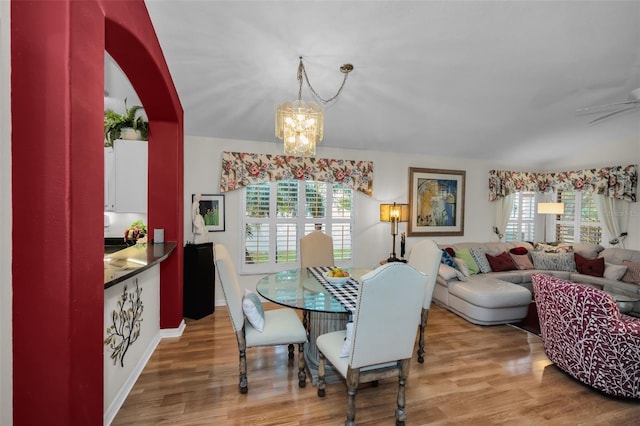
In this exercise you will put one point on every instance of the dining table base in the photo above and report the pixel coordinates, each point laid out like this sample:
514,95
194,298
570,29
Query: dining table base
321,323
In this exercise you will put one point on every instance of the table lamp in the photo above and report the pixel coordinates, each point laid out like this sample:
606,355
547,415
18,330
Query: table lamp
547,209
394,213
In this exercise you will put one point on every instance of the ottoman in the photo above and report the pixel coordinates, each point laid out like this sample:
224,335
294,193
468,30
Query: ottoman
489,301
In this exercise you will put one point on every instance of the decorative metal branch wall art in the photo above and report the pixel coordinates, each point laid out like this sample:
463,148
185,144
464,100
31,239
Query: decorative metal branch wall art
125,323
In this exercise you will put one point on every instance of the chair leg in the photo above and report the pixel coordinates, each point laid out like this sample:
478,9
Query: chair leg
423,325
302,375
290,347
353,378
305,320
401,414
244,386
321,392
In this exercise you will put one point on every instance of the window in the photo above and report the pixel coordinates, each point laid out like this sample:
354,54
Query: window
521,225
274,224
580,222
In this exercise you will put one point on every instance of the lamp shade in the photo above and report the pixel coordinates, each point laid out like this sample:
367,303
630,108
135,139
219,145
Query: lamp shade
394,212
551,208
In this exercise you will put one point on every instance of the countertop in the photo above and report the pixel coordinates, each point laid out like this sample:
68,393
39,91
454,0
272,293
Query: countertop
130,261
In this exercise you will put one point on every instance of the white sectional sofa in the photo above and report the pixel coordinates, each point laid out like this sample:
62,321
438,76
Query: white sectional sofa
503,297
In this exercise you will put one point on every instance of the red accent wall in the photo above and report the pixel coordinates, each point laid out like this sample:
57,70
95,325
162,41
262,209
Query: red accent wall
57,83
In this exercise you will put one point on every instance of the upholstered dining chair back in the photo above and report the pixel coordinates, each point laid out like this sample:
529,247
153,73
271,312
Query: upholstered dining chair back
387,314
425,257
316,249
230,285
383,334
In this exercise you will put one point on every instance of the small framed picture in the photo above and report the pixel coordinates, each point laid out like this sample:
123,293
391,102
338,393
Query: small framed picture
211,208
436,202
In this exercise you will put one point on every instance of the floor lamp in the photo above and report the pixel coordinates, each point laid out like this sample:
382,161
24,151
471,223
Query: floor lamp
548,209
394,213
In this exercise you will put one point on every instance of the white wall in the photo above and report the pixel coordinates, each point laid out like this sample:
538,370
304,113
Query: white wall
6,364
372,240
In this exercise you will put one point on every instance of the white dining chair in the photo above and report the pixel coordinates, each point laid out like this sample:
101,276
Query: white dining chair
281,326
383,334
425,257
316,249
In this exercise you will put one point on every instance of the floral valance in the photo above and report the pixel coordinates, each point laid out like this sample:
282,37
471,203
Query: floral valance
619,182
240,169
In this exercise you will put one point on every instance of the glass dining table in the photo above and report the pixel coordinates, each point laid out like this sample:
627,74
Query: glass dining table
299,289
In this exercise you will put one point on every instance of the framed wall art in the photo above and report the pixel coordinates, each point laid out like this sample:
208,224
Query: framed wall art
211,208
436,202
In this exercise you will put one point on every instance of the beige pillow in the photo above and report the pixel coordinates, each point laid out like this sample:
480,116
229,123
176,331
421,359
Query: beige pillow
462,265
614,272
633,272
521,261
448,273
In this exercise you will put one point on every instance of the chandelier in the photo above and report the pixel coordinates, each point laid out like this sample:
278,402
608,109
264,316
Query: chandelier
300,124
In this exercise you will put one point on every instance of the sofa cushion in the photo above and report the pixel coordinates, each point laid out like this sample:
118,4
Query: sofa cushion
466,256
491,293
553,261
633,272
521,261
481,260
593,267
501,262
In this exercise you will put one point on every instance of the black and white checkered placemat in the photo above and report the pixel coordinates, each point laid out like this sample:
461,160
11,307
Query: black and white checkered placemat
347,293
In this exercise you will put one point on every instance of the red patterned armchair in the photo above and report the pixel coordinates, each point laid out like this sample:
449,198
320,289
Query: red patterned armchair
585,334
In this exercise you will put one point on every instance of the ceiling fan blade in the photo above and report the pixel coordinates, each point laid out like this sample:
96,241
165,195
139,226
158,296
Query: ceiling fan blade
607,105
612,113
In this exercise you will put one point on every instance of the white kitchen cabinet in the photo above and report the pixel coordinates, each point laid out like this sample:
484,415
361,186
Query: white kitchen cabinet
109,179
126,177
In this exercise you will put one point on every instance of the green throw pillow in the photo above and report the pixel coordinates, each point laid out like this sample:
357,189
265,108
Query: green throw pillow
465,255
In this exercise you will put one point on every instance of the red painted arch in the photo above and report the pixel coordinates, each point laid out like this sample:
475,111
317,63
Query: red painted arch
57,84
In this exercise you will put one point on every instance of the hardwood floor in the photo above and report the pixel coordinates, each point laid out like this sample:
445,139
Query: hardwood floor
476,375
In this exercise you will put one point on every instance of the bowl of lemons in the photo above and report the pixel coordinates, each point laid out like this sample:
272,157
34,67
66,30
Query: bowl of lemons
337,276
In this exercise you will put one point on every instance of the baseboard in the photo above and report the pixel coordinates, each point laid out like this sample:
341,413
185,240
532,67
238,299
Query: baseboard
117,402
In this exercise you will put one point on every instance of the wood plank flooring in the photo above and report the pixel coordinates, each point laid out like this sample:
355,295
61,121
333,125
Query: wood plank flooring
496,375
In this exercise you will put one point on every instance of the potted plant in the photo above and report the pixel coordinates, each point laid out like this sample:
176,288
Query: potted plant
116,125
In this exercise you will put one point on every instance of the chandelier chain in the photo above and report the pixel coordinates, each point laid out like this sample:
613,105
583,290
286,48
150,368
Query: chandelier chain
302,73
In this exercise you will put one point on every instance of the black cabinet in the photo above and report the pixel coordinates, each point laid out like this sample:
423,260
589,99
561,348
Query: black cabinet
199,281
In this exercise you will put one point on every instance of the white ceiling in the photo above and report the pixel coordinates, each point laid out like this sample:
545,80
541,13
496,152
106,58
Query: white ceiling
497,80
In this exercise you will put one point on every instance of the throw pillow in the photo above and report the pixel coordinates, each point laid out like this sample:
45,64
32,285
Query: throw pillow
447,259
521,261
553,261
519,251
348,341
253,310
466,256
614,272
449,273
481,260
451,251
633,272
593,267
501,262
462,266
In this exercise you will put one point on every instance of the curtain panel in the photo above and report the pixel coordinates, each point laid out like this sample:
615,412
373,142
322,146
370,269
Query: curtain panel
240,169
619,182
